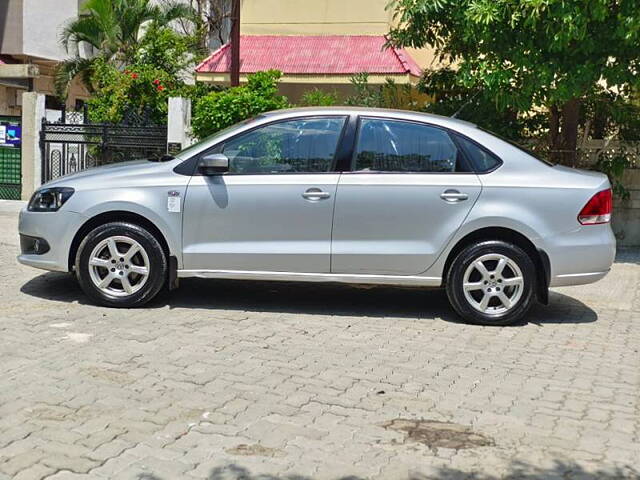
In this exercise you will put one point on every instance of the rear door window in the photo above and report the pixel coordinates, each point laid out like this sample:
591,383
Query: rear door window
386,145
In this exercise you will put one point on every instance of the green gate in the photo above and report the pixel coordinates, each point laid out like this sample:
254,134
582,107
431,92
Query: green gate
10,158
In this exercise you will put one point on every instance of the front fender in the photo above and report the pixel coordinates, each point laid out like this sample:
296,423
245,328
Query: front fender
151,206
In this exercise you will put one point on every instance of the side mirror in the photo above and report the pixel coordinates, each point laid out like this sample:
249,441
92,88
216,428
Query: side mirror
213,164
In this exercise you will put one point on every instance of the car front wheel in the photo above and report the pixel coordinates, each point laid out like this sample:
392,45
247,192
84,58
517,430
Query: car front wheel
491,283
121,265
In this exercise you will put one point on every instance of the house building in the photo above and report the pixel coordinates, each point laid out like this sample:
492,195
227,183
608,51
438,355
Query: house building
29,52
317,43
30,49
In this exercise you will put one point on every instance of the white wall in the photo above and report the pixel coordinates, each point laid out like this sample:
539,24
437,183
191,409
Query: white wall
10,26
31,28
43,21
33,109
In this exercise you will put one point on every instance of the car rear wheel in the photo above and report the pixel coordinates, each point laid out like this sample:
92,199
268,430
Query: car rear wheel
491,283
121,265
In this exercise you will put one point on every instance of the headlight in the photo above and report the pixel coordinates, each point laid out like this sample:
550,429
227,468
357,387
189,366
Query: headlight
49,199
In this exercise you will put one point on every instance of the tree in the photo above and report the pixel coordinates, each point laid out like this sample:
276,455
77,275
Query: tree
112,31
531,54
449,97
216,18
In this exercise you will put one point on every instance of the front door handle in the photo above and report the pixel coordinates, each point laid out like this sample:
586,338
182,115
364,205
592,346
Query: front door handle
315,194
452,196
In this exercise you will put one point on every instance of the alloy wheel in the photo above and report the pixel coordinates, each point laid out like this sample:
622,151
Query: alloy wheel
119,266
493,284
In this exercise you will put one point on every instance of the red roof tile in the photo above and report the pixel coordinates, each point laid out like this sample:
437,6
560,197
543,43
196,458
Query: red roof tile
314,55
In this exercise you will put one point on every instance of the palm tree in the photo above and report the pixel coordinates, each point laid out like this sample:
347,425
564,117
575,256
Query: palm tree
111,29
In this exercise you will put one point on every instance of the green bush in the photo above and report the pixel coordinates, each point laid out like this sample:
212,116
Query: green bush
614,164
365,95
319,98
154,74
141,89
388,95
221,109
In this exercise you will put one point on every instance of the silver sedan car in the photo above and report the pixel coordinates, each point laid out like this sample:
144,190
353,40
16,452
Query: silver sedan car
358,196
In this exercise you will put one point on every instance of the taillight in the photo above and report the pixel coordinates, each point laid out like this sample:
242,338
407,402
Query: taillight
598,209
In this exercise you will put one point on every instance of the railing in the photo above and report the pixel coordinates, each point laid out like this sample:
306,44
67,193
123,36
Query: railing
73,143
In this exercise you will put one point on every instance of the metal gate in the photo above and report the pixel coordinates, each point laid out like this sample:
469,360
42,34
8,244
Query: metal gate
73,143
10,158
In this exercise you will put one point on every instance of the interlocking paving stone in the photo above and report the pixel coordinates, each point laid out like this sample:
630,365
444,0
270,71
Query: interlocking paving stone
268,381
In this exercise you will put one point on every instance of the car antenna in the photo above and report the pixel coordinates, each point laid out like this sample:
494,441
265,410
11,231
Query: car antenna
455,115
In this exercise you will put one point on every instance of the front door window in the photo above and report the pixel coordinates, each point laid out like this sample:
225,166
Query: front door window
297,146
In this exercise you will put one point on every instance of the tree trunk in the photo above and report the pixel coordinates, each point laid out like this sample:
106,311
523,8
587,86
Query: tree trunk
570,123
235,44
599,122
554,133
563,132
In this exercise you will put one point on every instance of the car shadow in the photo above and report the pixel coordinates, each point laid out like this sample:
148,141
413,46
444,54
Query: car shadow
517,470
628,255
310,298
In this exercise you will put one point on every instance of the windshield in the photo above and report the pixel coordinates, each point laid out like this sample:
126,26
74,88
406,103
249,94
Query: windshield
187,152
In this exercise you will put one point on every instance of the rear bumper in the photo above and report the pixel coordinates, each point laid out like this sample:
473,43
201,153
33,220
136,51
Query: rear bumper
577,278
57,229
582,256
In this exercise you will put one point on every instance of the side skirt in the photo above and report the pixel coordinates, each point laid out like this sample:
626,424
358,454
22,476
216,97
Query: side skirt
406,280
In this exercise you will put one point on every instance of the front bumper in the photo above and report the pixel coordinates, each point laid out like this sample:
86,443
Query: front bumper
57,229
33,245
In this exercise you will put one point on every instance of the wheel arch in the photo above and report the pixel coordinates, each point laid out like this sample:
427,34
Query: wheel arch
115,216
537,255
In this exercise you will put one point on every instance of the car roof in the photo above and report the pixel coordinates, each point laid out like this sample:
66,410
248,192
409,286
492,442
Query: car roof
376,112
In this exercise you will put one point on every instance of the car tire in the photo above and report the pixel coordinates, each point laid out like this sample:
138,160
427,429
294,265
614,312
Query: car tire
121,265
491,283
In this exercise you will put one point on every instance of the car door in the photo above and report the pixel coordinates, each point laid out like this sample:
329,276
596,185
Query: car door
408,191
273,210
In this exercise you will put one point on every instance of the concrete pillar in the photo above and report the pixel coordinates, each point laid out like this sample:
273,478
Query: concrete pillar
33,111
179,124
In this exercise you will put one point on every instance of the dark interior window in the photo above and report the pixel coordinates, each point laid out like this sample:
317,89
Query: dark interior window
52,103
481,159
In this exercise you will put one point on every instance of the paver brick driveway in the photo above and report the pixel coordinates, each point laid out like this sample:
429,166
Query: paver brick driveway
229,380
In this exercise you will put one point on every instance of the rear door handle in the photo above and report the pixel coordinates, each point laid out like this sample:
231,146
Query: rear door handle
452,196
315,194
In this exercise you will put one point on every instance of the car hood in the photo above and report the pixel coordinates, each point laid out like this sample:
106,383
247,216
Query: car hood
107,175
